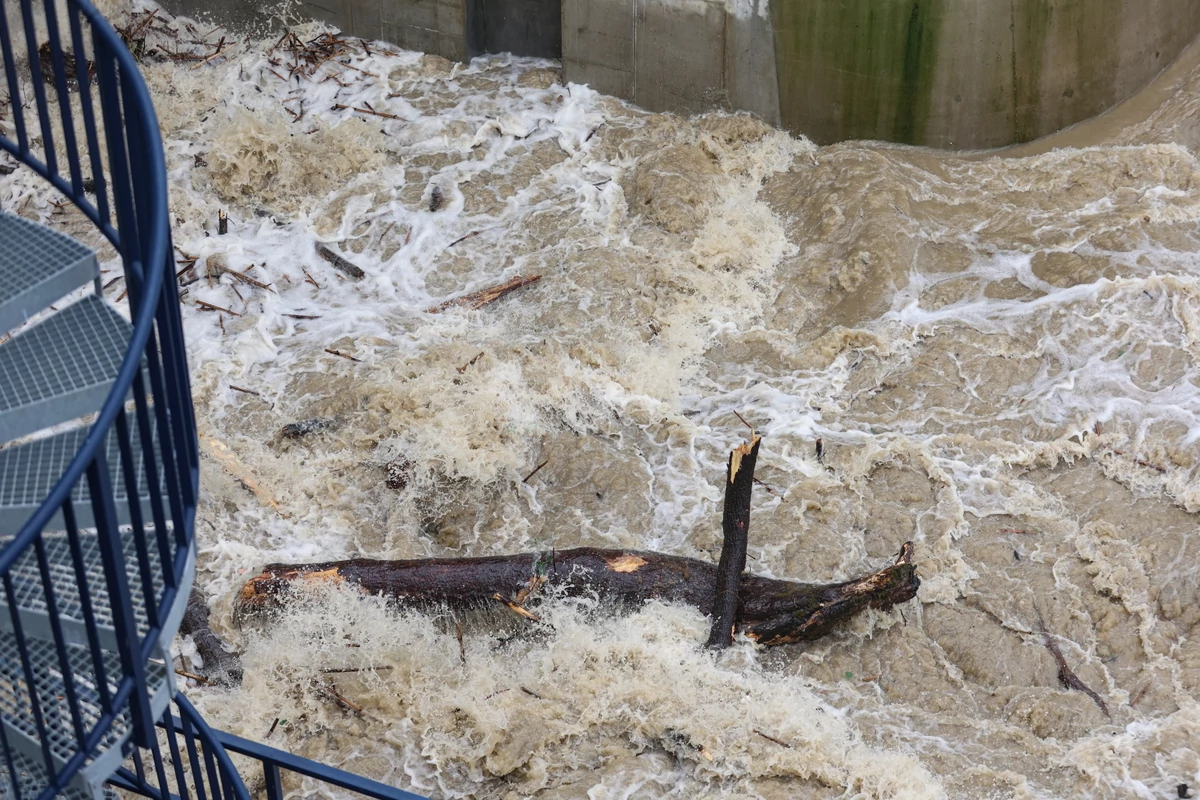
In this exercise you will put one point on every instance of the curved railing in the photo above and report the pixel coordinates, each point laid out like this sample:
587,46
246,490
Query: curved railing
79,115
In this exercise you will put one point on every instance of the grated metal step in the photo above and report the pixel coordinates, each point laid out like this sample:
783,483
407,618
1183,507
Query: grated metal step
62,368
29,471
31,597
37,267
19,727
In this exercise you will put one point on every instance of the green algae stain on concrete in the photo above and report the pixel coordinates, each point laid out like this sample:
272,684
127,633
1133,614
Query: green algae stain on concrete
856,68
966,73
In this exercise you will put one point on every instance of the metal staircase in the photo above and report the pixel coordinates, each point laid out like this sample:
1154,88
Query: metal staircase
98,453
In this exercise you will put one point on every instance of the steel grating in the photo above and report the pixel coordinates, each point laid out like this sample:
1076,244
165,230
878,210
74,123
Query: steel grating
16,704
31,780
30,471
30,594
37,266
19,725
62,368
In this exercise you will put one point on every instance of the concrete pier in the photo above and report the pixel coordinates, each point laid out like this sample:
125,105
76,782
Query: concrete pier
943,73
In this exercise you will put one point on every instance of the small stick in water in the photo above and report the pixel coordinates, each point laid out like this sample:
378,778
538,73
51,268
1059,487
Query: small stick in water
222,222
1065,673
820,450
343,355
477,300
210,307
245,391
339,263
470,363
536,470
435,198
773,739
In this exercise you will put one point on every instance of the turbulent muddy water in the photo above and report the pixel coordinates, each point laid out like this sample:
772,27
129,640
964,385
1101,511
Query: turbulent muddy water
999,352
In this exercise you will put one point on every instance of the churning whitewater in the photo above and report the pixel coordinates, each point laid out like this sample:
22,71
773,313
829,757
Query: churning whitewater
1000,355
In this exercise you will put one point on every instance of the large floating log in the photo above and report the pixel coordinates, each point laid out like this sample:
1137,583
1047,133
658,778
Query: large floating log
769,611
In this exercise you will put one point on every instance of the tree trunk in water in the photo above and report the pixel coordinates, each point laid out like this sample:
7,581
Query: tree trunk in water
769,611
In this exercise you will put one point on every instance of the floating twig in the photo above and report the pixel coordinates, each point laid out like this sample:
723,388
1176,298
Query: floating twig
346,356
471,363
464,238
193,676
532,693
329,690
1137,698
477,300
206,306
773,739
371,111
245,391
1065,673
274,725
770,491
339,263
222,222
536,470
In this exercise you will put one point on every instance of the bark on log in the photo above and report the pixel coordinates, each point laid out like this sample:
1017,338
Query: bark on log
769,611
220,666
735,525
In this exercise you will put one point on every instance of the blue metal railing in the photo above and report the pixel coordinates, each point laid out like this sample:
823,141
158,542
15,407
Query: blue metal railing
78,114
79,101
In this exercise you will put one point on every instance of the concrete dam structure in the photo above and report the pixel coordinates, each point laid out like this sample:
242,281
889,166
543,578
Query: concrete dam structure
941,73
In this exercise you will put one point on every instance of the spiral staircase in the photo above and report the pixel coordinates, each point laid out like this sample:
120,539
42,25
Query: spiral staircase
98,453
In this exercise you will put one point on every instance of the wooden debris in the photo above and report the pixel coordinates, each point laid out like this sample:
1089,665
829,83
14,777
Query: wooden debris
346,356
536,470
769,611
477,300
221,666
772,739
245,391
339,263
220,452
371,111
222,222
1065,673
735,525
296,430
210,307
329,691
435,198
462,370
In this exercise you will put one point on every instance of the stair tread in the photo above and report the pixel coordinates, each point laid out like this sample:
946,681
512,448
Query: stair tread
29,471
62,368
20,727
30,595
38,265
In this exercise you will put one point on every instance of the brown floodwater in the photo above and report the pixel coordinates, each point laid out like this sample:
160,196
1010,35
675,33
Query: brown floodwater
1000,353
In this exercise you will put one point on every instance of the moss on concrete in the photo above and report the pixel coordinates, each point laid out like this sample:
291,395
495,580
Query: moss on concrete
966,74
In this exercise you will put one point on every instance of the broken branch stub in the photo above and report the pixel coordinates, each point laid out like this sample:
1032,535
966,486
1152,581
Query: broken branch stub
735,525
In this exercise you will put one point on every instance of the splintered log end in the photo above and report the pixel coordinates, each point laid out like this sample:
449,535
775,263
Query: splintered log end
882,590
741,451
626,562
263,595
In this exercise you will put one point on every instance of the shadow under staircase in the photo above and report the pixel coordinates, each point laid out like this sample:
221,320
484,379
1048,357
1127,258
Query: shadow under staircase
98,453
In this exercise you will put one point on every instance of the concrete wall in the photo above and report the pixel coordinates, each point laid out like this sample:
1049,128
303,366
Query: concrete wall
945,73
